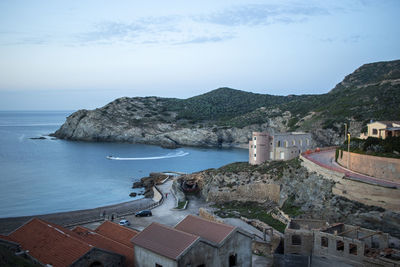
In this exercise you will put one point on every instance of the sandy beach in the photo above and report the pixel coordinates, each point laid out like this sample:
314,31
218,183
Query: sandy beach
71,218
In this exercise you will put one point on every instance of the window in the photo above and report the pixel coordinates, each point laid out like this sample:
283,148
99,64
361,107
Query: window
301,142
324,241
201,265
353,249
279,144
251,146
308,142
255,146
374,244
232,260
374,131
296,240
286,143
255,138
96,264
158,265
339,245
255,155
293,142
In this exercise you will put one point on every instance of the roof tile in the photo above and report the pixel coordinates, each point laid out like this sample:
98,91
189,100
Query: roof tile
105,243
49,244
208,230
164,240
117,232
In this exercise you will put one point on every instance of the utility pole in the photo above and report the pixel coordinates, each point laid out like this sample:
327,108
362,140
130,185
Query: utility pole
348,151
345,131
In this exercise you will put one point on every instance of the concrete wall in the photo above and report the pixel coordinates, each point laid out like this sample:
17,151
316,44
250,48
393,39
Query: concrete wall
201,253
332,250
387,198
379,167
288,153
157,195
147,258
306,239
238,244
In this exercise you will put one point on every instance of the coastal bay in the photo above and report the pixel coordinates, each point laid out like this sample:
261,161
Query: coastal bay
41,176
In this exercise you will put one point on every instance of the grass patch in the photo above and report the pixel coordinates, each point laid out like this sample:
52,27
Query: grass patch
181,204
9,259
291,209
275,168
251,210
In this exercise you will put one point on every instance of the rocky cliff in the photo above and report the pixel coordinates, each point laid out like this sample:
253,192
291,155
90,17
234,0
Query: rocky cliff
289,182
145,120
226,117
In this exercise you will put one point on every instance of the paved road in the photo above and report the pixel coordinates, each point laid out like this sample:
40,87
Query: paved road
326,159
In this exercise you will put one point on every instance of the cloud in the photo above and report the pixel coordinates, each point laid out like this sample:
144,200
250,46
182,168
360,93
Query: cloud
213,27
207,39
355,38
261,14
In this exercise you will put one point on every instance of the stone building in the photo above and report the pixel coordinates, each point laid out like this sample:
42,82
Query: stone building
281,146
351,245
382,129
193,242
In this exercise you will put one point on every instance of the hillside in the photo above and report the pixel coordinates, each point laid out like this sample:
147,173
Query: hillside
226,117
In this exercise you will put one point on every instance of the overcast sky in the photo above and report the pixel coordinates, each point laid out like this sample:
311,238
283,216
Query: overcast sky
83,54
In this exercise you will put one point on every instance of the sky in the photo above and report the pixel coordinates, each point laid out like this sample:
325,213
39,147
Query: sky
68,55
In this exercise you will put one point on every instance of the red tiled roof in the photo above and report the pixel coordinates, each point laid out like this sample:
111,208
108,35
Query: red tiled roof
164,240
208,230
117,232
105,243
7,238
49,244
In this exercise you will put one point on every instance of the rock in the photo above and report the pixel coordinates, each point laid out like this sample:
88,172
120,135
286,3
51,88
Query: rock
148,193
133,194
38,138
137,185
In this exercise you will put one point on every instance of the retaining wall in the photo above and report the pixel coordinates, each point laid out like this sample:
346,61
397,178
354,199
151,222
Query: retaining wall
379,167
368,194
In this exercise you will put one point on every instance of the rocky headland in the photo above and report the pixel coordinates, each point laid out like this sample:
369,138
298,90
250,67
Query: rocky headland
226,117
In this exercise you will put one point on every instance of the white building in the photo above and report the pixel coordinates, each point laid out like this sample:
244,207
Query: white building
281,146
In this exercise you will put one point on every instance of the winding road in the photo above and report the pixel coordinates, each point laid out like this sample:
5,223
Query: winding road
326,159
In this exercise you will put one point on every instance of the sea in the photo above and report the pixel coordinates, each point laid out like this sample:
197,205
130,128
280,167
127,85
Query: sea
40,176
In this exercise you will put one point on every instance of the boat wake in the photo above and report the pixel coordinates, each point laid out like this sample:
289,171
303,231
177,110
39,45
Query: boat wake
169,155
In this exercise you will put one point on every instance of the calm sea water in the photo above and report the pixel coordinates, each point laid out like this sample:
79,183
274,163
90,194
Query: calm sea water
45,176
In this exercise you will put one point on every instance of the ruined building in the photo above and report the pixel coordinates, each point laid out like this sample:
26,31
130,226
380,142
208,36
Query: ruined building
339,242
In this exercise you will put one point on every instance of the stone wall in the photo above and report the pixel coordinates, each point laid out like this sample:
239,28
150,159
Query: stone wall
368,194
258,192
379,167
203,213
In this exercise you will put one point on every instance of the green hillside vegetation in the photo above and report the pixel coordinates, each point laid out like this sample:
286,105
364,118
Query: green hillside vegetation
389,147
368,93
